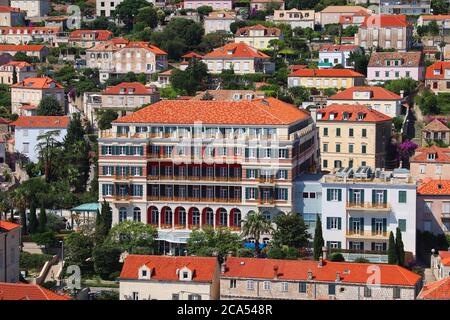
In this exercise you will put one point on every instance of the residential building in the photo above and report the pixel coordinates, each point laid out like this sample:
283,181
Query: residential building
436,131
169,278
410,8
146,171
28,129
59,22
251,278
219,21
229,95
32,50
307,193
433,206
385,66
360,207
33,8
31,91
216,5
295,18
240,57
188,59
437,77
11,17
22,69
353,19
24,35
438,290
9,252
440,264
89,38
431,162
118,58
385,31
332,14
378,98
352,136
332,55
262,5
257,36
25,291
123,98
164,78
106,8
442,20
322,79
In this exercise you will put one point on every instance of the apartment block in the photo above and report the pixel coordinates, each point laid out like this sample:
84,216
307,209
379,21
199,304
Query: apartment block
181,165
431,163
257,36
437,77
410,8
9,251
385,66
32,50
24,35
33,8
436,131
352,136
89,38
332,14
22,69
295,18
217,5
325,78
332,55
219,21
106,8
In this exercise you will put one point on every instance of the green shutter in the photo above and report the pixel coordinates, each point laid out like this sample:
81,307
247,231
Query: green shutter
141,171
374,196
372,244
339,194
350,244
361,221
350,224
351,195
247,193
328,222
256,193
373,224
362,195
103,150
385,196
339,223
384,224
141,151
328,194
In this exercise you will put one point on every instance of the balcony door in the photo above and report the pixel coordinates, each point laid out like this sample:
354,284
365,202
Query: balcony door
356,225
379,226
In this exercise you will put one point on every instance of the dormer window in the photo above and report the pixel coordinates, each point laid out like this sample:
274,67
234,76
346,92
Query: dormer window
436,72
431,156
145,273
345,116
360,116
230,52
236,97
185,274
331,116
319,116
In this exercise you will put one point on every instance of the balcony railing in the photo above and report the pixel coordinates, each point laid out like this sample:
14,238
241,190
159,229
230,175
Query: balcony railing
266,201
368,206
122,197
267,179
194,199
122,177
367,234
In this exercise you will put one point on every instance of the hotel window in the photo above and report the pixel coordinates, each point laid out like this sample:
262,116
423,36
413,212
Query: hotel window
402,196
407,74
283,153
331,289
338,147
363,149
325,132
282,174
250,285
302,287
267,285
325,147
350,132
386,74
334,195
397,74
334,223
338,132
364,133
402,225
325,163
284,287
350,148
377,74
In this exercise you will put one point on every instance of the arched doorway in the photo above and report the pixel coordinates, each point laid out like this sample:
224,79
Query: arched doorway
194,217
221,217
180,217
208,217
137,214
153,216
235,218
166,217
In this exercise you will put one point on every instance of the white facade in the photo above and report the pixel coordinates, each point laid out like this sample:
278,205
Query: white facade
27,140
33,8
330,59
106,7
9,255
359,215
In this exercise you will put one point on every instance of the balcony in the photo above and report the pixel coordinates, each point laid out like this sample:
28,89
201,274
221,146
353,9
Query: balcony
371,206
266,201
122,198
266,179
122,177
367,235
194,199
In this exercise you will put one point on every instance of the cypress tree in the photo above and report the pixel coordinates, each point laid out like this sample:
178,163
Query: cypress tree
99,228
400,249
23,220
33,223
14,76
318,239
392,250
107,216
42,220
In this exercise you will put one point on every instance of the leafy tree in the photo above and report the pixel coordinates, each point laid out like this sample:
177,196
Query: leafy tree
427,102
204,10
298,95
103,223
234,26
360,61
349,31
42,220
337,257
106,261
48,147
361,260
75,131
77,248
408,85
282,252
440,6
47,239
105,117
191,80
213,40
254,226
209,242
392,250
33,221
147,17
398,123
132,236
318,240
291,231
399,248
49,106
128,10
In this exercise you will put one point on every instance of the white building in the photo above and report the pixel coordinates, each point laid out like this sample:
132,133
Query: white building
360,208
411,8
33,8
295,18
11,17
28,129
332,55
9,251
219,22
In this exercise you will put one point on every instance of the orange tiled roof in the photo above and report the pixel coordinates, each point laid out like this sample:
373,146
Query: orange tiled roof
21,47
135,88
100,35
377,93
42,122
406,59
436,17
441,66
22,291
333,73
445,257
436,126
8,226
236,50
434,187
19,64
353,111
8,9
438,290
269,111
37,83
382,21
342,9
165,267
191,55
298,270
244,31
442,155
337,47
147,46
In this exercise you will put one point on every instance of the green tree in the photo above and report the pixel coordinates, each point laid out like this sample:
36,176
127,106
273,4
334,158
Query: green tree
392,250
254,226
77,248
42,219
400,249
440,6
128,10
204,10
49,106
103,223
208,242
147,17
105,118
427,102
318,240
291,231
75,131
337,257
191,80
106,261
360,61
132,236
48,147
32,219
47,239
408,85
14,75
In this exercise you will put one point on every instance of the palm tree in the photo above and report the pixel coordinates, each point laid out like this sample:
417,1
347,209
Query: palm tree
47,148
254,226
20,202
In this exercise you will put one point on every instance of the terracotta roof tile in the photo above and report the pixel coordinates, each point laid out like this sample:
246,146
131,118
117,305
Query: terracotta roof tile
436,126
165,267
236,50
445,257
42,122
434,187
147,46
19,64
377,93
332,73
382,21
338,48
343,9
38,83
245,31
435,17
438,290
8,226
227,95
21,47
439,67
129,88
100,35
22,291
269,111
407,59
442,155
8,9
191,55
298,270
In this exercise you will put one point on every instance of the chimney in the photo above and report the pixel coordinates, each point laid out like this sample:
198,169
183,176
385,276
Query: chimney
275,272
320,264
310,275
402,93
313,112
325,253
223,266
338,276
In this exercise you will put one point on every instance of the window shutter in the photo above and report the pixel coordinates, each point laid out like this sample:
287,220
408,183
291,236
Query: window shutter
351,195
247,193
384,224
104,171
103,189
103,150
362,196
141,151
361,245
328,222
385,196
384,246
246,152
339,194
127,171
350,243
114,150
372,244
339,244
361,221
141,171
339,223
286,194
373,224
351,223
256,193
328,194
374,195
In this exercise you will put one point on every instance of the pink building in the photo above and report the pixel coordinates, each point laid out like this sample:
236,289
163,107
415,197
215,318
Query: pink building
215,4
431,163
384,66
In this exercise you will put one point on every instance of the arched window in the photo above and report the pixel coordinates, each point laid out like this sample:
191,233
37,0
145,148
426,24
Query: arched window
237,218
168,216
223,217
137,214
122,214
195,217
209,217
182,216
267,215
154,216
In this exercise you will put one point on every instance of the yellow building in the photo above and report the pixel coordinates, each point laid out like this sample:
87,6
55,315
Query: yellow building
352,136
326,78
258,36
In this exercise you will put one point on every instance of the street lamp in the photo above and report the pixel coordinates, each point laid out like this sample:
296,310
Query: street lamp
62,252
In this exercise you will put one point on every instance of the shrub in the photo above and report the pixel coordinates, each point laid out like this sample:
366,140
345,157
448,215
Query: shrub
49,284
29,261
361,260
337,257
47,239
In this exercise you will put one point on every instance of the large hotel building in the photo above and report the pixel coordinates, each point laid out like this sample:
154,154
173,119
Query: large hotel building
180,165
